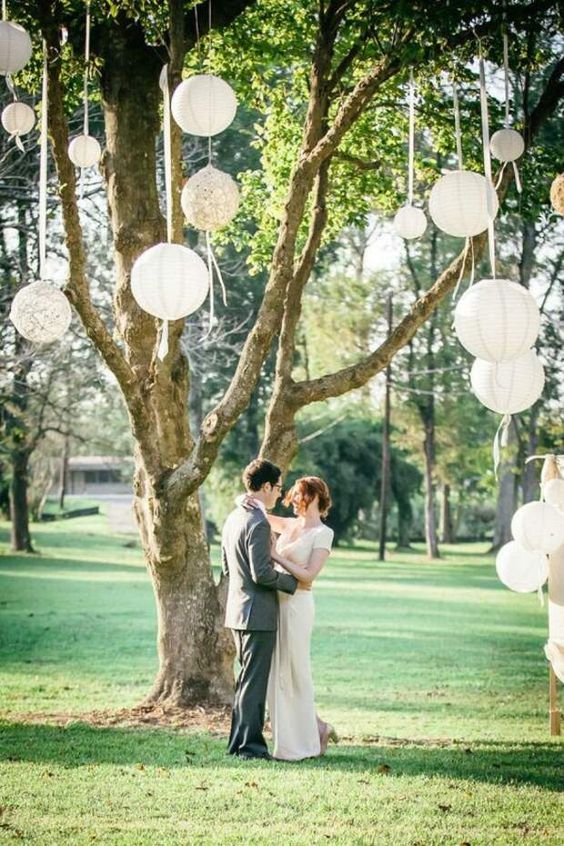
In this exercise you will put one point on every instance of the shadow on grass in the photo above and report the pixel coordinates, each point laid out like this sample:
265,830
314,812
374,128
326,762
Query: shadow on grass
79,745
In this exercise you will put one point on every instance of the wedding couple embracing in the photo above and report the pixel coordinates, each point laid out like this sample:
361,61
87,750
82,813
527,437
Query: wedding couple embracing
271,563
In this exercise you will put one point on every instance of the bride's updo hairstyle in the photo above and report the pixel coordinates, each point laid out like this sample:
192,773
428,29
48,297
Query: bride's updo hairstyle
309,487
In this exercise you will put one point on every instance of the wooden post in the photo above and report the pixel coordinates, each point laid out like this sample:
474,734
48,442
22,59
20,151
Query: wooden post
385,484
554,710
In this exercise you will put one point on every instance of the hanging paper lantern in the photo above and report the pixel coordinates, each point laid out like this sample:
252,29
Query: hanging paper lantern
519,569
169,281
410,222
458,203
15,47
508,387
557,194
506,145
497,320
203,105
18,119
210,199
41,313
84,151
553,493
538,527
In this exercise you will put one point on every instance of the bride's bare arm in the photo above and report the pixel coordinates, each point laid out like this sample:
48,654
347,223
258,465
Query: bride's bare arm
312,569
278,524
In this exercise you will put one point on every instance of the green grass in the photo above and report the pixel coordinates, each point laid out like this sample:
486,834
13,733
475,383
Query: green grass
71,504
437,655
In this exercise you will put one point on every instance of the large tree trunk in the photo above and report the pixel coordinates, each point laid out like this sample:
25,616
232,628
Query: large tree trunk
446,528
430,517
506,492
19,509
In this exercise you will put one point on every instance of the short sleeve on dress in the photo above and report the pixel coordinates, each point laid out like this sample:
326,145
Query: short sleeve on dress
323,538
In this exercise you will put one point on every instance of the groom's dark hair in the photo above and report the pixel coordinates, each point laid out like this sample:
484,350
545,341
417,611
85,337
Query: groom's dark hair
259,472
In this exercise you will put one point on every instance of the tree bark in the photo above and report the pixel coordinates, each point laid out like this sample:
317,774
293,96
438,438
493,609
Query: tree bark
19,510
446,528
429,460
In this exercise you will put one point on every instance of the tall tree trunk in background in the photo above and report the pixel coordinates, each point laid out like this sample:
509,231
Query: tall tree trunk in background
429,459
19,510
63,473
446,528
507,491
530,474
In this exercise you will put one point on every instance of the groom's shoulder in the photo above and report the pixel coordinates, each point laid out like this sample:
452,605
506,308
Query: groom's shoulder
244,518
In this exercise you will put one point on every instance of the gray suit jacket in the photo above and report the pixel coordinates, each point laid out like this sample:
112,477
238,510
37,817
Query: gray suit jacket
252,604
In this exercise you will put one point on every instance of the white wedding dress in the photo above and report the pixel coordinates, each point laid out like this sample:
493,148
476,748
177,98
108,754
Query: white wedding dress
291,702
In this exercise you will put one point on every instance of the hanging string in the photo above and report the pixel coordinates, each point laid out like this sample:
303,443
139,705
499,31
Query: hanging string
462,269
487,160
506,76
86,68
410,173
43,171
167,144
457,130
210,283
500,440
4,10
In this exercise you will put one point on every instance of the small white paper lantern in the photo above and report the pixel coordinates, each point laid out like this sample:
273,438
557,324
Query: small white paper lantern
497,320
458,203
508,387
538,527
203,105
519,569
41,313
15,47
557,194
84,151
410,222
553,492
506,145
210,199
18,119
169,281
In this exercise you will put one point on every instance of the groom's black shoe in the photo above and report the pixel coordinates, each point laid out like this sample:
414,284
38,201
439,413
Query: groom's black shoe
247,757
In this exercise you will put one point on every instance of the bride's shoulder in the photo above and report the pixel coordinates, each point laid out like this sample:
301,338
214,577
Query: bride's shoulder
324,537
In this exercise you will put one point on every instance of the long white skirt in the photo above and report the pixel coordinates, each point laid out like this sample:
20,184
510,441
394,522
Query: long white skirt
291,701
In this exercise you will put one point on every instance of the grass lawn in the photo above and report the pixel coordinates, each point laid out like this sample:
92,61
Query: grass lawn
433,674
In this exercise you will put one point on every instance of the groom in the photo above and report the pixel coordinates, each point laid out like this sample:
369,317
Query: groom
252,604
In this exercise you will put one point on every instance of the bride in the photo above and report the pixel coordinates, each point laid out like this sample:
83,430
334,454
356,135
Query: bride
302,548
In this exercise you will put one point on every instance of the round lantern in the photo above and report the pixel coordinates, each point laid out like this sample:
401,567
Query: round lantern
519,569
538,527
15,47
508,387
553,492
497,320
18,119
410,222
84,151
41,313
169,281
203,105
458,203
557,194
210,199
506,145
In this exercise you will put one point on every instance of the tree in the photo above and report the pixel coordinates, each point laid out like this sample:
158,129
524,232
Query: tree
359,52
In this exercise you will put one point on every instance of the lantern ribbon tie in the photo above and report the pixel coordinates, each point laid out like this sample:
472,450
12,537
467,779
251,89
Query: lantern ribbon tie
500,440
163,345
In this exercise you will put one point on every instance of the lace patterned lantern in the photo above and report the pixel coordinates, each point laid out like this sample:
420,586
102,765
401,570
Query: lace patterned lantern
210,199
15,48
508,387
410,222
519,569
18,119
41,313
203,105
538,527
84,151
460,203
497,320
557,194
169,281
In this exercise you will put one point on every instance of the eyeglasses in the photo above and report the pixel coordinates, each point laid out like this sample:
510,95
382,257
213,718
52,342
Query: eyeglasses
277,486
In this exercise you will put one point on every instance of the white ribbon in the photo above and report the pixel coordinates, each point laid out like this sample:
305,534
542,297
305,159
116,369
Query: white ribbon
163,346
500,440
457,130
43,171
4,13
86,67
410,167
506,76
167,143
487,161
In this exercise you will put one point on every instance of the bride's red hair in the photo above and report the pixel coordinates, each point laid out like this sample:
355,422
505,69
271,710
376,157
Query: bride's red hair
309,487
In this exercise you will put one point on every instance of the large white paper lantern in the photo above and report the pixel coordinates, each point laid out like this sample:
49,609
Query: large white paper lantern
497,320
506,145
15,47
210,199
169,281
508,387
203,105
557,194
519,569
18,119
538,527
553,492
458,203
410,222
41,313
84,151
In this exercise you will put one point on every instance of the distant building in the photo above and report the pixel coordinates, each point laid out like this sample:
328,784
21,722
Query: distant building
98,474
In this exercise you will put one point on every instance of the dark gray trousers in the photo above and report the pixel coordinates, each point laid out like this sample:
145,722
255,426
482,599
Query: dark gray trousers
254,652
